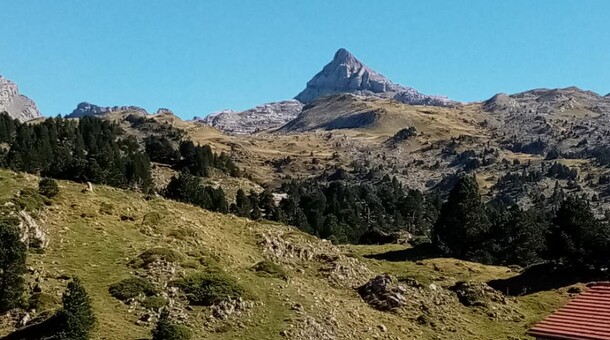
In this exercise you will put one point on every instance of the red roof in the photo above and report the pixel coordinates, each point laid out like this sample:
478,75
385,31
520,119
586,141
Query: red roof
586,317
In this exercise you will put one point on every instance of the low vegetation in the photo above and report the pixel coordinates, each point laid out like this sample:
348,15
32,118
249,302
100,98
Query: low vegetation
211,287
131,288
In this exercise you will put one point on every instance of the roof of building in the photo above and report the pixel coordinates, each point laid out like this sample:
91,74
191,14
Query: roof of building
586,317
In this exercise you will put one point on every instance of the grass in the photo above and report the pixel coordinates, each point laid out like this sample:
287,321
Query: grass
99,247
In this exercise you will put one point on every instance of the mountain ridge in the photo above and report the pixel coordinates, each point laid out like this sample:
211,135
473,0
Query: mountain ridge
16,104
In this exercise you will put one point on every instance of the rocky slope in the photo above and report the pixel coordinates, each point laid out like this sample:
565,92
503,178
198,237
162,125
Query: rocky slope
261,118
15,104
308,289
346,74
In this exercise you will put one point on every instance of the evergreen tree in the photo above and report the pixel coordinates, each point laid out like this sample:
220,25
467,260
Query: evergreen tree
12,264
462,227
76,317
242,204
577,236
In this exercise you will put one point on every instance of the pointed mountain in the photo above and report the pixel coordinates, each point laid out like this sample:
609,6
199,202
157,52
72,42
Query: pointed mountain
346,74
15,104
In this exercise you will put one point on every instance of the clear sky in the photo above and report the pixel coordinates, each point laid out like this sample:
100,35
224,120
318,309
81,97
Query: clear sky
196,57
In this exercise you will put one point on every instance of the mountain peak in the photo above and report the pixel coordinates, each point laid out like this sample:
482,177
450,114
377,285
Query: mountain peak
346,74
14,103
343,55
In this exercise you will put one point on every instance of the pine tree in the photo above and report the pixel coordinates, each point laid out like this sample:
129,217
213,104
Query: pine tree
577,236
462,227
12,264
77,317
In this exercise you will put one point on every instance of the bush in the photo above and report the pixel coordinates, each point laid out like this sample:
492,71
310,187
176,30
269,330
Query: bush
30,200
166,330
151,219
106,208
270,269
154,254
131,287
206,289
48,187
42,302
154,302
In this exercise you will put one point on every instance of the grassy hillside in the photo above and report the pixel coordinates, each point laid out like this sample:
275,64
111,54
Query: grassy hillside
304,290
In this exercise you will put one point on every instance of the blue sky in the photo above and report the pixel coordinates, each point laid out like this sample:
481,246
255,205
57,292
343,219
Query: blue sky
196,57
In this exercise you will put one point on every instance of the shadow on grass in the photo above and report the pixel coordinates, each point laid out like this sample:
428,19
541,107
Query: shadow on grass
545,276
419,252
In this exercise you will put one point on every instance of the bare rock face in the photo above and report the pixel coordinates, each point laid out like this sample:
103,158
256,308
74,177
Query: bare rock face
15,104
31,233
88,109
264,117
346,74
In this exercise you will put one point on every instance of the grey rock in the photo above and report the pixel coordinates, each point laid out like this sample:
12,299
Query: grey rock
87,109
346,74
15,104
500,102
264,117
31,233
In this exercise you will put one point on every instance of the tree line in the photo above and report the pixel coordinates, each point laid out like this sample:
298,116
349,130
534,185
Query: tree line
562,228
98,151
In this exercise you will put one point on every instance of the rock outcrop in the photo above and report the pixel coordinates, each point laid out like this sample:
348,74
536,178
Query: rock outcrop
31,233
88,109
346,74
548,101
264,117
15,104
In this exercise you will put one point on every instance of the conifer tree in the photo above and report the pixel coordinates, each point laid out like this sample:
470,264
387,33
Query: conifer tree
167,330
462,227
76,317
12,264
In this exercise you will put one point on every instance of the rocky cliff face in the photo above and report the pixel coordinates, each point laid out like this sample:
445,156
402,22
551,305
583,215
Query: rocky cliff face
263,117
88,109
346,74
15,104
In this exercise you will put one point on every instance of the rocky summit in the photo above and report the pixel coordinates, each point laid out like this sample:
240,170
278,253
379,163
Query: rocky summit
346,74
261,118
87,109
15,104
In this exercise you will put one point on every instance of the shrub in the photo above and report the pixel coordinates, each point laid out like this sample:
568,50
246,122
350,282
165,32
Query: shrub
106,208
154,302
30,200
209,288
42,302
151,218
131,287
167,330
154,254
270,269
48,187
